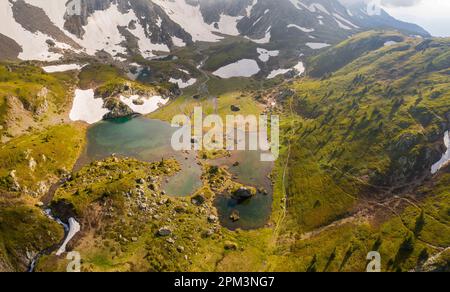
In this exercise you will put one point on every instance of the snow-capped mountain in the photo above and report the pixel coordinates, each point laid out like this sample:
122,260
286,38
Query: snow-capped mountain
48,29
378,18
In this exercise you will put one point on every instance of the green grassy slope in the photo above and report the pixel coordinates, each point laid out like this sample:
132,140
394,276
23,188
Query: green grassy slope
363,135
29,97
29,165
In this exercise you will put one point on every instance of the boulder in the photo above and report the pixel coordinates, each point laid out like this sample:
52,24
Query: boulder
117,109
243,194
235,108
235,216
164,231
230,245
138,102
212,218
198,200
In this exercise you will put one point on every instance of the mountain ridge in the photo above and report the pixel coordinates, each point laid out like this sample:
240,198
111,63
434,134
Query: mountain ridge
158,26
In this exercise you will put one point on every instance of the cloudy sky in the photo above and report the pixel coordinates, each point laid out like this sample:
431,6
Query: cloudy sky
433,15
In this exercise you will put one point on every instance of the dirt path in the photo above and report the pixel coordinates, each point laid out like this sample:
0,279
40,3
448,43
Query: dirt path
284,187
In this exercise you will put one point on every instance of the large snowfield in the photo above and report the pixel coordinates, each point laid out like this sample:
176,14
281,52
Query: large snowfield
86,107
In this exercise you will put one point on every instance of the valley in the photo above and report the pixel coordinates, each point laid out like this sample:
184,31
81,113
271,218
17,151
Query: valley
85,115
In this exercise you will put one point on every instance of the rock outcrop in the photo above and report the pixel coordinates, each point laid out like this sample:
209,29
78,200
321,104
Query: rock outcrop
117,109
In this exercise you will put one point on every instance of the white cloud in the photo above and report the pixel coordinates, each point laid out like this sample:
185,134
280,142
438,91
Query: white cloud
400,3
433,15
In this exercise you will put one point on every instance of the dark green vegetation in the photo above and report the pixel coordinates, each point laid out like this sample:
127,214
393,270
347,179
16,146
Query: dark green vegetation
344,53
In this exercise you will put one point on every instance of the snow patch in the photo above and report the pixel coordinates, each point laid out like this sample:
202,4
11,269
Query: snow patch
317,46
242,68
228,25
74,228
102,33
190,18
265,39
264,55
62,68
143,105
34,45
178,42
304,29
183,84
445,157
86,107
277,72
249,9
390,43
342,19
300,68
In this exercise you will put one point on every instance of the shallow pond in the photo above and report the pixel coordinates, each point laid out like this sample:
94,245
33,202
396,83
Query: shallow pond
249,170
149,140
143,139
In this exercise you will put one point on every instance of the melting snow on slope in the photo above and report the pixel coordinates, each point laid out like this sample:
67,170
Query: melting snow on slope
249,9
183,84
74,228
264,55
445,157
242,68
297,4
62,68
86,107
178,42
317,46
341,25
304,29
55,10
34,46
264,40
277,72
340,20
143,105
102,33
228,25
190,18
390,43
101,29
300,68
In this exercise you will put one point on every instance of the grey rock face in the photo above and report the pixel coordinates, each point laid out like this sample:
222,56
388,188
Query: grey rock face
286,24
